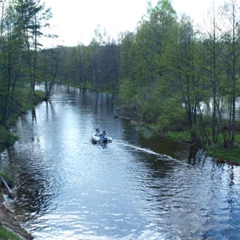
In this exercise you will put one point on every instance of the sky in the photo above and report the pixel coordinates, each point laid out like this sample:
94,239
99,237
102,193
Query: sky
74,21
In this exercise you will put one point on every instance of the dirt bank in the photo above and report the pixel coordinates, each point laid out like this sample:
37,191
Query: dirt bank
9,221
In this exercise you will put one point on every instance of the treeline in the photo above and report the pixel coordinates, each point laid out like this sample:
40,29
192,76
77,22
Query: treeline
175,76
95,66
181,78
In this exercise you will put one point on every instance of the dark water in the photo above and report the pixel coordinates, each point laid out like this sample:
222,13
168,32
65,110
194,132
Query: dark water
131,189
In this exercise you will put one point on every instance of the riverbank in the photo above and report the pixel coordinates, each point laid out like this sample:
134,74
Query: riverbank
9,224
10,227
7,138
219,153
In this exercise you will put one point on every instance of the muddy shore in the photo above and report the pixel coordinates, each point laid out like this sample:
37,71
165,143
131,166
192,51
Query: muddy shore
9,220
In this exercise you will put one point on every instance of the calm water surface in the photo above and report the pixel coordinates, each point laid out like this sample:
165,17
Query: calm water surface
133,188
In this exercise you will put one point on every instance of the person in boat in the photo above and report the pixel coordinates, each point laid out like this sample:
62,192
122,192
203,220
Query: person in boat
97,132
103,135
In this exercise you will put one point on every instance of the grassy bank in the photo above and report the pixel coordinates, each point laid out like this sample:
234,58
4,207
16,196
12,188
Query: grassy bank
221,154
218,152
21,104
6,234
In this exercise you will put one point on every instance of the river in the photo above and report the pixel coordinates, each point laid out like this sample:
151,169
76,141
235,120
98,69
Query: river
132,188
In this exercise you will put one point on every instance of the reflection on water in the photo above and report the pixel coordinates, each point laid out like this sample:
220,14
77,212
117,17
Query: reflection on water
131,189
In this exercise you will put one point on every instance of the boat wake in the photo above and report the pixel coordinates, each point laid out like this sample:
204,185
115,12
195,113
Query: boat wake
146,150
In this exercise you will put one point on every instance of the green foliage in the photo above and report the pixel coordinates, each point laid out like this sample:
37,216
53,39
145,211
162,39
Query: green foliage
38,97
8,235
181,136
21,103
89,85
126,90
145,131
7,138
21,25
237,139
230,155
165,70
168,71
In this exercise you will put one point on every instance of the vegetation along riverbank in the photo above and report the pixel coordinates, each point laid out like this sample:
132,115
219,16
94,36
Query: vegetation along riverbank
218,151
181,82
10,227
177,80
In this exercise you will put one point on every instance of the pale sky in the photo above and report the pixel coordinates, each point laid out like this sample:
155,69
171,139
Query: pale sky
75,20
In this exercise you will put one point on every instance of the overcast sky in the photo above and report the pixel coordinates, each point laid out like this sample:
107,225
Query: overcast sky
75,20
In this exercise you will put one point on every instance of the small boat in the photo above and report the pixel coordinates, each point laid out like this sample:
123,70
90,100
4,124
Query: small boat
100,137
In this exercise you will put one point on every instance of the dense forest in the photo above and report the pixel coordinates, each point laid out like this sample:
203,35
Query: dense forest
174,75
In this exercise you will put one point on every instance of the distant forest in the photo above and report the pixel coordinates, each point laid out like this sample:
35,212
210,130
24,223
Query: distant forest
175,75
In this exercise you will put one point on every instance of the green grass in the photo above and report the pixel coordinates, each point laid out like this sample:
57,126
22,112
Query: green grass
7,235
180,136
221,154
237,139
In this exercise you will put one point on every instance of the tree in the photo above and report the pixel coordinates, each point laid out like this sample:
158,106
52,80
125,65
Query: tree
148,64
10,67
31,18
231,59
20,28
49,60
213,71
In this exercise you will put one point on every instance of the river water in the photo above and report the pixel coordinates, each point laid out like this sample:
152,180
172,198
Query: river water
132,188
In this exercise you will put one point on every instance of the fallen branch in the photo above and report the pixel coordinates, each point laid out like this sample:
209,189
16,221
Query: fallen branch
10,193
